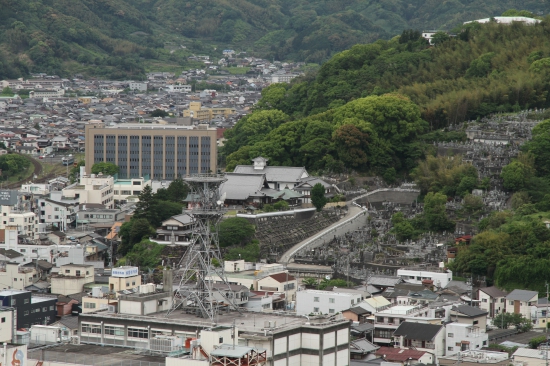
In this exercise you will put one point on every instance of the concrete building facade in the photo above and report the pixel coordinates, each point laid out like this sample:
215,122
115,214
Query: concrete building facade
159,151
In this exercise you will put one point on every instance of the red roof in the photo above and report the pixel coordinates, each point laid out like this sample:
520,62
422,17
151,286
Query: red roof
282,277
398,354
219,133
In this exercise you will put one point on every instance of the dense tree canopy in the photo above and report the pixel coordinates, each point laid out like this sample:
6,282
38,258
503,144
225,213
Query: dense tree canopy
105,168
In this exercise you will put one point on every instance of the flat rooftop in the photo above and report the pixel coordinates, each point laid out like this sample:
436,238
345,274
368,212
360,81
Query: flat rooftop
250,322
87,354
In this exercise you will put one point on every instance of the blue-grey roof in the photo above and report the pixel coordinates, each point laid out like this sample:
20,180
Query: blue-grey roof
522,295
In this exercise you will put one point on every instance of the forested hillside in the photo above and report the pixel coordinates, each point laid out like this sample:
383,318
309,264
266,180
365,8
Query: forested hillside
117,38
485,69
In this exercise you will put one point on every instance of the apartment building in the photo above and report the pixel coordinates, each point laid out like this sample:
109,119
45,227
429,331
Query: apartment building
92,188
25,221
72,278
492,300
426,276
200,113
157,151
324,302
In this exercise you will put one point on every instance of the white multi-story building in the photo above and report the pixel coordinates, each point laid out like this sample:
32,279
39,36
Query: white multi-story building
492,300
324,302
26,222
178,88
139,86
46,93
92,189
124,188
439,278
57,213
463,337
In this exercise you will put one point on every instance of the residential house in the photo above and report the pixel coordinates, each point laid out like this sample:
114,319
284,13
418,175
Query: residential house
360,349
404,357
324,302
462,337
423,337
383,283
279,282
492,300
72,278
356,314
469,315
521,301
177,230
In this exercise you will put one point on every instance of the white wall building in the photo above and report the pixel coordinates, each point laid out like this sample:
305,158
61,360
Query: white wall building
178,88
123,188
92,189
324,302
462,337
25,221
138,86
416,275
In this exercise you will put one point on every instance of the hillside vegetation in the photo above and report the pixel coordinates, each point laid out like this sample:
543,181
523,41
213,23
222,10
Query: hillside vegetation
485,69
119,38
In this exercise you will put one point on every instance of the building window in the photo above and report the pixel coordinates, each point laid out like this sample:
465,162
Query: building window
331,300
89,305
450,335
511,303
315,299
26,312
483,300
316,310
45,309
331,311
116,331
67,271
52,308
3,320
25,301
449,348
476,322
138,333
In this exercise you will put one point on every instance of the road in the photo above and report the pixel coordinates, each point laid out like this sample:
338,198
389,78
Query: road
352,211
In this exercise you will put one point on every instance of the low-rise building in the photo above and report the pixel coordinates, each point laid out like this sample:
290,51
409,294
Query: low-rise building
521,301
25,221
422,337
492,300
30,309
463,337
324,302
72,278
124,278
439,277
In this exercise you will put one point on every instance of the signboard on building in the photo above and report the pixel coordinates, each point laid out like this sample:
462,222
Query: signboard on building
8,197
125,271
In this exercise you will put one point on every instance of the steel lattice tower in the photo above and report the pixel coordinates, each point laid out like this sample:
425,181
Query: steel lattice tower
195,293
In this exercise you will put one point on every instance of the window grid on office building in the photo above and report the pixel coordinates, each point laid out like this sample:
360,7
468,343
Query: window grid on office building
170,157
158,157
193,155
98,148
134,156
205,154
182,156
145,155
122,160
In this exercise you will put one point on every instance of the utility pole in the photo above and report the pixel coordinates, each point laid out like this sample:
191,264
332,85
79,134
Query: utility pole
546,325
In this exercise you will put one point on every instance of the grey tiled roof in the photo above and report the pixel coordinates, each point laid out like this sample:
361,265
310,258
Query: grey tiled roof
240,186
274,173
418,331
521,295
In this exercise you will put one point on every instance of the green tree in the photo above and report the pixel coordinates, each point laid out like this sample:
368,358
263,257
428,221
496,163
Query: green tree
310,282
515,175
235,231
159,113
473,203
351,145
145,254
439,38
250,253
281,205
132,232
144,207
7,92
435,212
176,191
318,198
106,168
